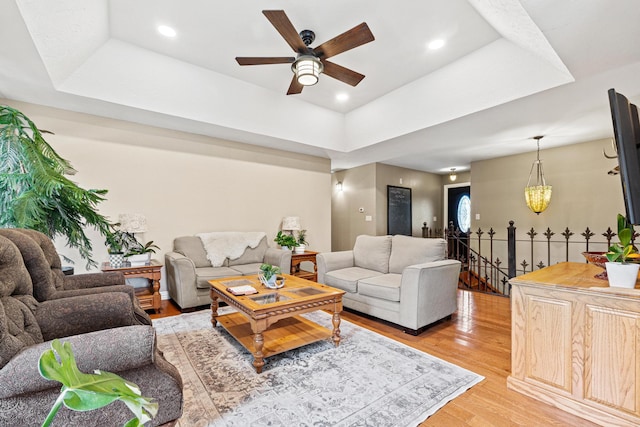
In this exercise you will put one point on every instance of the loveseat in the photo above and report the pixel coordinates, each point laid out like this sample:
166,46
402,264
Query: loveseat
190,266
104,333
404,280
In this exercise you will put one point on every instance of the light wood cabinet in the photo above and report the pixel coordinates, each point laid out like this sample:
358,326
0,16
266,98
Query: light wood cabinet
576,343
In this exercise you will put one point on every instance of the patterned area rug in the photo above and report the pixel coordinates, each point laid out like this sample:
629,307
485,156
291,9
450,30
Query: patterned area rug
369,380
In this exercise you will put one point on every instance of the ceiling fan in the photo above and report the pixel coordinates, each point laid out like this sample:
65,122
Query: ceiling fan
310,62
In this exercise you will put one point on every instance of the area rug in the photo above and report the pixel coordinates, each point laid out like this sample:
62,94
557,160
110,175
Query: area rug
369,380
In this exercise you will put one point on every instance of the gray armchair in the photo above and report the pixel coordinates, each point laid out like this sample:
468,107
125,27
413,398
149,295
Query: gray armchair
104,334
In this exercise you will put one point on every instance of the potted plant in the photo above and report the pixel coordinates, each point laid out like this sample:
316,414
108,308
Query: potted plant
140,254
114,239
269,276
286,241
34,191
302,242
621,268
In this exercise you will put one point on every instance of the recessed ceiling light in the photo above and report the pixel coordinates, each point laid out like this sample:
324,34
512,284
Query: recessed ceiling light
342,97
166,31
435,44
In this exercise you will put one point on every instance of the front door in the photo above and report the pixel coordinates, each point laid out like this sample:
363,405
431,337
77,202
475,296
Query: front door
459,218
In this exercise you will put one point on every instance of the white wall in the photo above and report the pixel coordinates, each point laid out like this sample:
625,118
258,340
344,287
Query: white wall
185,183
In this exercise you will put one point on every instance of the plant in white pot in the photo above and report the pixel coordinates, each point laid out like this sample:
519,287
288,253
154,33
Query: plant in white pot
622,268
140,254
302,242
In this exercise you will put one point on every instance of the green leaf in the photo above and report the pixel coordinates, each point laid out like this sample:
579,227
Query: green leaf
84,392
625,236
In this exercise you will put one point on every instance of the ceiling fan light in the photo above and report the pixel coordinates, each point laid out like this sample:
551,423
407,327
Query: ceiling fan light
307,69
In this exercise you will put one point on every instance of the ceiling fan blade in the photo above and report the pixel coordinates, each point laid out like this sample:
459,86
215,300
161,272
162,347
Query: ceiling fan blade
357,36
294,87
253,60
286,29
341,73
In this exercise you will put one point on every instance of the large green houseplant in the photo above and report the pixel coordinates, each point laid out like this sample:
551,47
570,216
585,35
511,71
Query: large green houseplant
34,191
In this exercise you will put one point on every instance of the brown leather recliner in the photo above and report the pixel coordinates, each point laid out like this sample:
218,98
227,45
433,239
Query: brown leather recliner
49,282
104,334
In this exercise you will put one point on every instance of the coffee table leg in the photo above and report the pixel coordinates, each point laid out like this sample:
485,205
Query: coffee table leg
258,361
214,310
336,328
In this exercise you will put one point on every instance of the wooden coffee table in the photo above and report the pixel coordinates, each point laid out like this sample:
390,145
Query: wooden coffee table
269,322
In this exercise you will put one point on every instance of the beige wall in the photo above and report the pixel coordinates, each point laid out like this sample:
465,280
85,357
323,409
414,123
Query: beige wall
584,195
358,191
426,202
366,187
185,183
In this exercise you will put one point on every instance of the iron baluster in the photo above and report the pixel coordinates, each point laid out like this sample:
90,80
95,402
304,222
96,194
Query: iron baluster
548,235
511,249
567,234
588,235
532,233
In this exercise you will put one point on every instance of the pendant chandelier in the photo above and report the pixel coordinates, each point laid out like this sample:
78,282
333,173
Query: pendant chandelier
537,196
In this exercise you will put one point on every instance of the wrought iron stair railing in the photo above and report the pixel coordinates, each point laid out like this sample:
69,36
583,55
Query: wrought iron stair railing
480,252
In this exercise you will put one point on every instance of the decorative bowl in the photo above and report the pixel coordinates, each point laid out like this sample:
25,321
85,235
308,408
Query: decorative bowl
276,282
598,259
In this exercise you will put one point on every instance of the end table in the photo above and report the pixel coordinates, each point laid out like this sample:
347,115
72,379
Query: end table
148,297
296,259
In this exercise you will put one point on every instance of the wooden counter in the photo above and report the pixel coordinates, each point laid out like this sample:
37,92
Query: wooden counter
575,343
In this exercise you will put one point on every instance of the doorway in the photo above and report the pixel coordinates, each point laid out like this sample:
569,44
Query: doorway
457,206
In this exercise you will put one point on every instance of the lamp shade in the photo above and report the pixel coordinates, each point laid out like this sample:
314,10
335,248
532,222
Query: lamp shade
538,197
132,223
291,223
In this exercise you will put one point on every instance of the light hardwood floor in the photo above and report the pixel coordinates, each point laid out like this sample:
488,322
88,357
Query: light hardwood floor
478,337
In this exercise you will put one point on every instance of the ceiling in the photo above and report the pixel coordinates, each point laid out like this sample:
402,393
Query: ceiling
509,70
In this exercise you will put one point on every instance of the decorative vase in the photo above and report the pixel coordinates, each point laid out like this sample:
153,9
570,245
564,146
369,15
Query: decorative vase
139,259
116,259
300,249
622,275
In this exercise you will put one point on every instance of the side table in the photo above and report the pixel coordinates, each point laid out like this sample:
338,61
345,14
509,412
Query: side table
296,259
149,297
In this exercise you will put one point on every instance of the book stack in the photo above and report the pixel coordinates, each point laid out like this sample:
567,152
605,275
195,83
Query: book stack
242,290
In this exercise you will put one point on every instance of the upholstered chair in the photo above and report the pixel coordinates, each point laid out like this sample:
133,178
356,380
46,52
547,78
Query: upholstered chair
49,282
104,334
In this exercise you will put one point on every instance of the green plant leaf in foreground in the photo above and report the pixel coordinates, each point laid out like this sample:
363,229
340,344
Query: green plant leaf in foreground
84,392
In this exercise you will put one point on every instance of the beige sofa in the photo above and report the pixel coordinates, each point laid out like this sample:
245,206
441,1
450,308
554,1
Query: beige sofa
189,270
404,280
